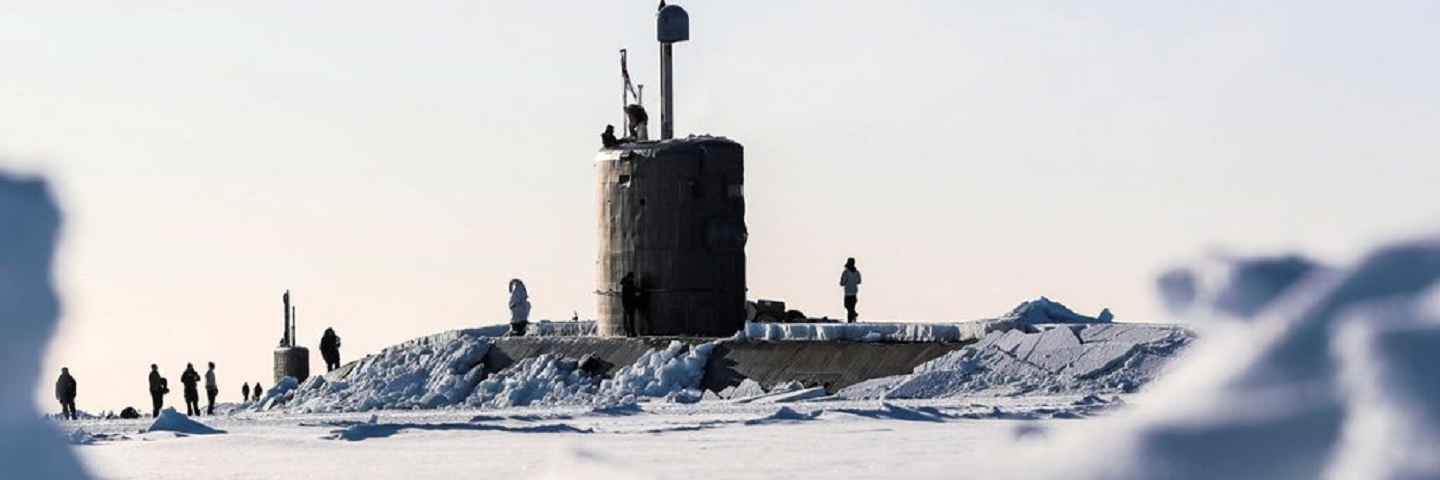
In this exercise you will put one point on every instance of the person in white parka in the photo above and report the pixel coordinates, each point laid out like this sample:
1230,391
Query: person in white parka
850,282
519,307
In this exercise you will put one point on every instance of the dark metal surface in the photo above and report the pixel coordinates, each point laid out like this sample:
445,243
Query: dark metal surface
672,24
673,213
292,362
833,365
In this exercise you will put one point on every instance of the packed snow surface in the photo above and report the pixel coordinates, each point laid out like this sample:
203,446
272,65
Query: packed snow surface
714,440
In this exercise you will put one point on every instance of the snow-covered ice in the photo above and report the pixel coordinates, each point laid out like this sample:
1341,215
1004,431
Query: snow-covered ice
1330,375
718,440
29,308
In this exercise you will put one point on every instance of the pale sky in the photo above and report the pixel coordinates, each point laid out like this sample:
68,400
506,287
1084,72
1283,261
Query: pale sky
394,164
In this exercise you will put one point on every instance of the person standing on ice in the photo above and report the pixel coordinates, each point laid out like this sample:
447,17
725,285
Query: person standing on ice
158,388
65,393
244,392
258,391
629,301
211,390
330,349
850,281
519,307
191,379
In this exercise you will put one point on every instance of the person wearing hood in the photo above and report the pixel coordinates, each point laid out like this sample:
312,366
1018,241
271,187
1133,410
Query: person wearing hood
158,388
330,349
212,390
244,392
607,138
65,393
191,379
519,307
850,282
257,391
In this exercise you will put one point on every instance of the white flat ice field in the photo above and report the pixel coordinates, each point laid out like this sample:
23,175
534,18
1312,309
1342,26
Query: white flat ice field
708,440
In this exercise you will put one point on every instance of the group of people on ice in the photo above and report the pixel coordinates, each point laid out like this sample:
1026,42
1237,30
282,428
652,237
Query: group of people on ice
159,386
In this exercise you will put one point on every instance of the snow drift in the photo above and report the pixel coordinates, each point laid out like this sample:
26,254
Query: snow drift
446,370
172,421
672,373
428,372
1330,376
29,447
1056,359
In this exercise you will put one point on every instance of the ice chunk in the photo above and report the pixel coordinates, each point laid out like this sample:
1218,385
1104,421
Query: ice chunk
1126,332
172,421
1052,339
747,388
793,396
1099,357
1008,341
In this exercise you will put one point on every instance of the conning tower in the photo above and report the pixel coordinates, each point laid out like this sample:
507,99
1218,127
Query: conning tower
673,213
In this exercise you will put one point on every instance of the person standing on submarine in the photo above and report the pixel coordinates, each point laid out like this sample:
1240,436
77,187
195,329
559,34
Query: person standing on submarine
330,349
629,302
519,307
850,282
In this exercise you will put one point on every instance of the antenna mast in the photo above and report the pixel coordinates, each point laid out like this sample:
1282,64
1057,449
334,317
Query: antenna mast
672,25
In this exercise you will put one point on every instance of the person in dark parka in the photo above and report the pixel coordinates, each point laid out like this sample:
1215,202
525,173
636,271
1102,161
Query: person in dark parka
629,302
244,392
65,393
191,379
639,122
158,388
608,139
330,349
257,391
